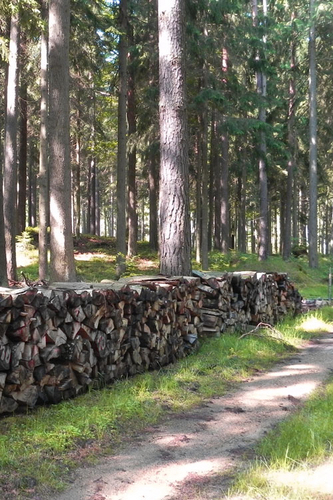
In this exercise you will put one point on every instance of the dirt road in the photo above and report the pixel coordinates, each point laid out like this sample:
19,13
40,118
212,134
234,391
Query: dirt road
206,446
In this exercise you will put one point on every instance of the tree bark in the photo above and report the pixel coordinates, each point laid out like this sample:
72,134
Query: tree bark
43,178
263,188
153,195
131,118
10,169
122,142
242,207
62,252
224,187
313,224
175,245
292,152
22,166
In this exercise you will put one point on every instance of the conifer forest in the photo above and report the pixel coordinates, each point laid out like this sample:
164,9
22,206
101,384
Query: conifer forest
190,124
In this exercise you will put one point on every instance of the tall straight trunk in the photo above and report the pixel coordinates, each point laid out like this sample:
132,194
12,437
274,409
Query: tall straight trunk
62,264
10,157
292,151
3,263
131,118
122,142
313,230
242,179
22,164
224,187
198,207
175,237
211,191
32,186
218,196
153,150
153,195
77,175
43,178
263,187
92,195
303,213
204,209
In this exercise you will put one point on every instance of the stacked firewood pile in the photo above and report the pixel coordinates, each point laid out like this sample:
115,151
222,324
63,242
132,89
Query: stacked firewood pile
55,342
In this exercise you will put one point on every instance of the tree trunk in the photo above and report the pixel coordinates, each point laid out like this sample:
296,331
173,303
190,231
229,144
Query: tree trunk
263,188
62,252
153,191
175,244
122,142
10,169
43,178
212,186
292,151
3,263
224,187
242,207
92,195
313,231
77,176
131,118
22,167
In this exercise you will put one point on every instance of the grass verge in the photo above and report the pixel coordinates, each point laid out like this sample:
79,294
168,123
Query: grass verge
295,460
39,449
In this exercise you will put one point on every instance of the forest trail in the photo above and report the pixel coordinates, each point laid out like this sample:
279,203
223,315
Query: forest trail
205,447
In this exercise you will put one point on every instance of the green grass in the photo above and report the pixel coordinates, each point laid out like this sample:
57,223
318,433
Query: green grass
291,453
95,261
44,445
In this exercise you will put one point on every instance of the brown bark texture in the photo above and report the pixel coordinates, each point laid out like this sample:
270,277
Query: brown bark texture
62,253
174,176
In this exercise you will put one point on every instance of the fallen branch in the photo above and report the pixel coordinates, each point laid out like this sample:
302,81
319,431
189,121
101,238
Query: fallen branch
277,334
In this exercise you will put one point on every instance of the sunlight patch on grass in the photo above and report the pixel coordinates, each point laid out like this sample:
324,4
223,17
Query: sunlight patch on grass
314,324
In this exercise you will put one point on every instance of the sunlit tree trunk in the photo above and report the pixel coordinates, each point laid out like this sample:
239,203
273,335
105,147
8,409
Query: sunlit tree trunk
43,178
23,128
263,187
10,169
131,118
313,230
175,245
292,148
122,142
62,265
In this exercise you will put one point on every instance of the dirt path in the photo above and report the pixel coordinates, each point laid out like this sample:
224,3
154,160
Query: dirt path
201,448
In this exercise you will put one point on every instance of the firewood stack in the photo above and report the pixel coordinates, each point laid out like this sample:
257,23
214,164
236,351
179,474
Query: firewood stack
55,342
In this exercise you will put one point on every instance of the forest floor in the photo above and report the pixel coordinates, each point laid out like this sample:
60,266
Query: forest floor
195,455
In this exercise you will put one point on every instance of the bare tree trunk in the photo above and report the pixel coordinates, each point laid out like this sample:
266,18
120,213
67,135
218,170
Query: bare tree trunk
22,166
10,167
3,263
313,229
292,151
263,188
77,176
212,181
242,208
92,195
62,266
175,237
198,207
224,187
153,191
43,179
131,118
122,142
